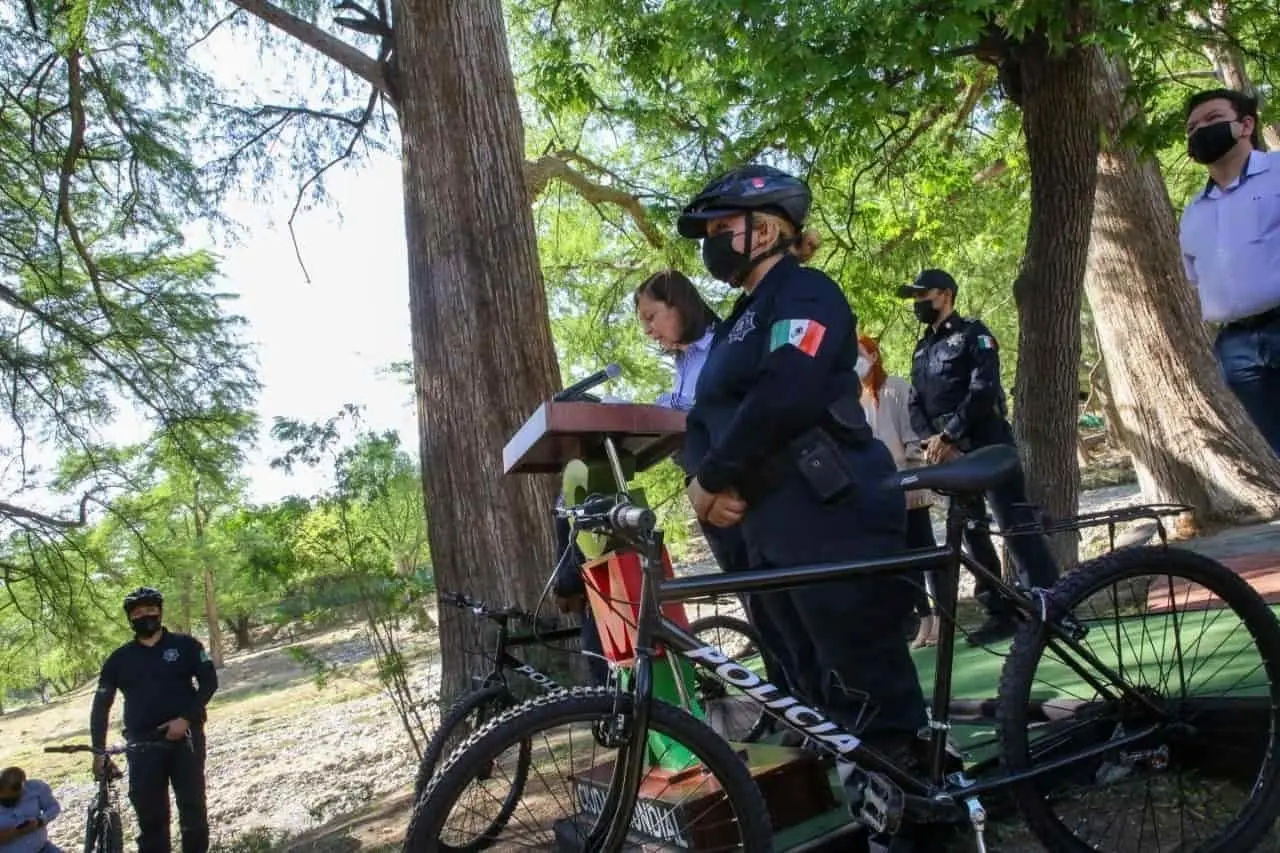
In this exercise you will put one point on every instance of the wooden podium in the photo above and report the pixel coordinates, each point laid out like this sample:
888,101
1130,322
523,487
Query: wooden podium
599,447
558,433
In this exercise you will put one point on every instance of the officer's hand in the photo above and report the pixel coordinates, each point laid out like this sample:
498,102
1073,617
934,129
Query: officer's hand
700,498
726,509
175,729
934,447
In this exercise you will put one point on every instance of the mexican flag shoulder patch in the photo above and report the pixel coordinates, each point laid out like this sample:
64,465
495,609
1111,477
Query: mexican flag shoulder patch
804,335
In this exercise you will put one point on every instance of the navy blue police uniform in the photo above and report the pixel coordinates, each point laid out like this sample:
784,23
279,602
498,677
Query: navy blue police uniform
956,393
170,679
777,366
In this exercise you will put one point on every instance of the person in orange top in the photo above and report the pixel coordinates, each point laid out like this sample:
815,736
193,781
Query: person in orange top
884,399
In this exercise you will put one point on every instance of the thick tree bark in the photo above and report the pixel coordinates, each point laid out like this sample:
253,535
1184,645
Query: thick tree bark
1191,441
481,338
1062,146
242,629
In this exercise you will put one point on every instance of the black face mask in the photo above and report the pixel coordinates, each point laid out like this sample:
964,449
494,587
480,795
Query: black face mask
925,311
1209,144
724,262
145,626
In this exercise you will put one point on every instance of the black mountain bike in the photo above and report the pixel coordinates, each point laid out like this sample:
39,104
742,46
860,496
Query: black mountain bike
1092,718
103,830
493,694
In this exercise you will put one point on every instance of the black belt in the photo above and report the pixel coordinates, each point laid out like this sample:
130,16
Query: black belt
1256,321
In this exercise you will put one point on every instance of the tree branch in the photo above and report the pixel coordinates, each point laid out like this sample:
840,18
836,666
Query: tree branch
990,173
551,167
335,49
14,511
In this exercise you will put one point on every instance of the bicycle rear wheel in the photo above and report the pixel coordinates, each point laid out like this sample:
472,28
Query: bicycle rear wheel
734,716
1203,751
730,796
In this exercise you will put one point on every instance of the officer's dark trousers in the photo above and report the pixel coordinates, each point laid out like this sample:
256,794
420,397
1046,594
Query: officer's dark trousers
152,770
1031,555
841,643
729,547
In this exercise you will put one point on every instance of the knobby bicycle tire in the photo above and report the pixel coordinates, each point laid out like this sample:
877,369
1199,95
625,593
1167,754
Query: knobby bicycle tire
583,704
104,832
1019,670
488,703
495,696
746,629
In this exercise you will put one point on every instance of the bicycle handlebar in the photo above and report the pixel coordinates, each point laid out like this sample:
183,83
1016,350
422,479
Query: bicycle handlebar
84,747
465,602
599,513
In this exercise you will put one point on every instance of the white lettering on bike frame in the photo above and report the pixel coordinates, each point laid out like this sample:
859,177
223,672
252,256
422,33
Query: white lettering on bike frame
807,719
537,677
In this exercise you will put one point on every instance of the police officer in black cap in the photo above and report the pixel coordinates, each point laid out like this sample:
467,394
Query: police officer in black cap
958,402
777,441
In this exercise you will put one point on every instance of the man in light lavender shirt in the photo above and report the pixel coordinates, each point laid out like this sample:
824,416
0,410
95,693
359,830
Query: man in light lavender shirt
1230,238
26,807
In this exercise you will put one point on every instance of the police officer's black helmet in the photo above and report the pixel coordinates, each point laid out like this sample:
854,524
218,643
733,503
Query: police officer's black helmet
143,595
762,188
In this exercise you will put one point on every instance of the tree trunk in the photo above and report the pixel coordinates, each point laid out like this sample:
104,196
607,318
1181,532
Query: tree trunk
1191,441
1228,62
1062,146
483,354
210,601
186,604
242,629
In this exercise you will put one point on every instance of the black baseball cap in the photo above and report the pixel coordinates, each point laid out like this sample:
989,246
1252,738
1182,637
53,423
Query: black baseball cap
926,281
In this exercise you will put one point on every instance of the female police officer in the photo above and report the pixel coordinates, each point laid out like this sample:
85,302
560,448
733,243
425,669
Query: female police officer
779,385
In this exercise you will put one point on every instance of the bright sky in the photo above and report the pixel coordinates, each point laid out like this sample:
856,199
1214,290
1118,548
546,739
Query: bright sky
320,344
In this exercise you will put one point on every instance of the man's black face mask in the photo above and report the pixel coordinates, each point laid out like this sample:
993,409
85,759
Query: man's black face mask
145,626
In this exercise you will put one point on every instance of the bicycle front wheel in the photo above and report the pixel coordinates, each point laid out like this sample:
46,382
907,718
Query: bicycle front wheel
1165,730
104,832
717,804
464,718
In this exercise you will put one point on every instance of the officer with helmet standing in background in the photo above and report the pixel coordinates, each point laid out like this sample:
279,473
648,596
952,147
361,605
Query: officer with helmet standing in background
957,402
777,441
167,680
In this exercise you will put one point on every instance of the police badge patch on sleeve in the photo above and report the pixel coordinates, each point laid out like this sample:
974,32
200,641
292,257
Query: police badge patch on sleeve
746,325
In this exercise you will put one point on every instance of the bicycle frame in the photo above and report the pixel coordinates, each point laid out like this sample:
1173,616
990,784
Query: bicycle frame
503,660
653,629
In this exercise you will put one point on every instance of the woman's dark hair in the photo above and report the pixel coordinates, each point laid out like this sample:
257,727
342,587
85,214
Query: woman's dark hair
674,288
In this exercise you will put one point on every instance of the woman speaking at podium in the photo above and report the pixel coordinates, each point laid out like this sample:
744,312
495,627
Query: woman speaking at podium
673,314
779,385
